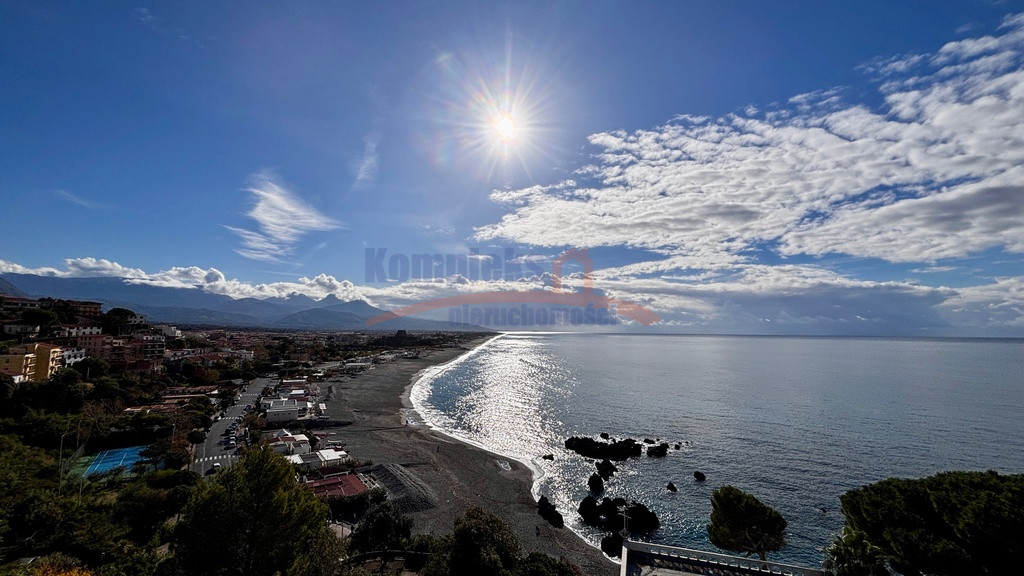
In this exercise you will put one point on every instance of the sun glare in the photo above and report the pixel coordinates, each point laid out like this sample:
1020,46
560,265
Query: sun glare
505,127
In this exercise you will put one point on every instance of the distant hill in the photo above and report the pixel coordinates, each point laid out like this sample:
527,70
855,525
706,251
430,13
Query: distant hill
8,289
193,306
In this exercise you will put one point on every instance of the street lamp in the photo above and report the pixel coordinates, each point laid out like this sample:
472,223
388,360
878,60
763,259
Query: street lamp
60,464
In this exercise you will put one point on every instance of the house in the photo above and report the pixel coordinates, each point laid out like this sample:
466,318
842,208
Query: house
291,444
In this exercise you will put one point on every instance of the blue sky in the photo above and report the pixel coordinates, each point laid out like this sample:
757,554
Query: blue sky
751,167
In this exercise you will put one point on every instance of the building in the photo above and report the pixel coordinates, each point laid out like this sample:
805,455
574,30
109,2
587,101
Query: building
14,305
168,331
148,346
82,309
70,356
21,329
23,365
76,331
344,485
17,378
289,444
320,458
48,358
95,345
642,558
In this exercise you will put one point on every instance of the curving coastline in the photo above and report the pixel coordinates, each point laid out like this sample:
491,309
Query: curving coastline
387,428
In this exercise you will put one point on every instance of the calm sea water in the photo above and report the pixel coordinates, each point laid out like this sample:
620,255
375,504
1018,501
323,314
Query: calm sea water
795,421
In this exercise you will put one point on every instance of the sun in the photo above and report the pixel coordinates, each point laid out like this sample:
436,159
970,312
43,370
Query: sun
505,127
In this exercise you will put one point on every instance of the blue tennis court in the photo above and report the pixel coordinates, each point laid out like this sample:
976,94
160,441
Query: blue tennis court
110,459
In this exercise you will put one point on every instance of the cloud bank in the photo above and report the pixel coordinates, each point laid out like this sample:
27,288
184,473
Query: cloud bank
938,174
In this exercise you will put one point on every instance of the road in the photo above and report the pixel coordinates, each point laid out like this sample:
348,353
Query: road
215,448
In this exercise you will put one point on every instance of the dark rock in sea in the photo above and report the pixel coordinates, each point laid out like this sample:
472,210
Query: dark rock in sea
608,515
612,545
677,446
699,476
648,441
548,512
596,483
671,487
606,469
548,456
604,435
588,511
615,450
658,451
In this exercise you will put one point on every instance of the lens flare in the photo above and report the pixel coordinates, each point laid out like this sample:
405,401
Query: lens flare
494,112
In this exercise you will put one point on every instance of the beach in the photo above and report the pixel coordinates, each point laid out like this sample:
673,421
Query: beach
455,475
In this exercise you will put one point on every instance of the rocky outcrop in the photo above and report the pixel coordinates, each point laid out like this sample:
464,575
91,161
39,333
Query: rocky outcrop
548,512
699,476
671,487
659,451
606,469
595,483
548,457
611,450
608,515
612,545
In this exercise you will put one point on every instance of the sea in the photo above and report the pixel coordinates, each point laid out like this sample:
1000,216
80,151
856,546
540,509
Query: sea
796,421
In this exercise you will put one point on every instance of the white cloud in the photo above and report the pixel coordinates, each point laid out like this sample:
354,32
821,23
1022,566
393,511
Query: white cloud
366,171
77,268
78,200
282,219
936,176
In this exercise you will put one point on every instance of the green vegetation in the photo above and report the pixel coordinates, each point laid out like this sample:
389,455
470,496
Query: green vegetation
742,523
254,519
481,543
953,523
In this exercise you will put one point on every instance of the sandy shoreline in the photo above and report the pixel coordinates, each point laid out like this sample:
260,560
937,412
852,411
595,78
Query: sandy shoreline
460,475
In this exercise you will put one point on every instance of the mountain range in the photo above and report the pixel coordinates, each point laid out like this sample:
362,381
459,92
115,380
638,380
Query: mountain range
190,306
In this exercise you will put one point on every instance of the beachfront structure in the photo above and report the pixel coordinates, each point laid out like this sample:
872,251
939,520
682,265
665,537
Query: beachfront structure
283,410
642,558
320,458
343,485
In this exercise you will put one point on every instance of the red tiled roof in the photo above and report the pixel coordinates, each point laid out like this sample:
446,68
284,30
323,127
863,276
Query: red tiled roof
346,485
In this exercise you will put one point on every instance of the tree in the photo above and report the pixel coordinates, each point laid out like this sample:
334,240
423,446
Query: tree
481,543
850,554
252,519
195,436
742,523
117,321
383,528
950,524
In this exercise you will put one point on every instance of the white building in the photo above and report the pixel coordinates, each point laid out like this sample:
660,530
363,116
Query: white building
69,356
168,331
320,458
